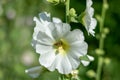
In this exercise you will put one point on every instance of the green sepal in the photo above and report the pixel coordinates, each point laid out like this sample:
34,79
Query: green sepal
81,17
85,57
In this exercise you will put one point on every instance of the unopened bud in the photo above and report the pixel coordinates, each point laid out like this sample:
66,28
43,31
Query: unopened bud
106,30
74,74
99,51
91,73
72,12
106,6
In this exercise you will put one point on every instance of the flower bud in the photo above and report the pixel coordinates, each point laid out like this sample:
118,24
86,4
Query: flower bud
106,30
72,12
99,51
72,15
74,74
91,73
106,6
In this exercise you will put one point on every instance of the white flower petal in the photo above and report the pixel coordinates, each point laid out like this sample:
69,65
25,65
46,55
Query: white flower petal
79,49
42,43
93,23
86,63
56,20
33,43
41,24
47,58
62,29
88,21
75,36
44,16
34,72
56,63
89,3
44,38
52,30
39,27
62,64
42,49
65,66
74,61
90,11
90,58
92,26
58,30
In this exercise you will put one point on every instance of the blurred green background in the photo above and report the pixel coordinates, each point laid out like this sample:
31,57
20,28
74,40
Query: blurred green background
16,28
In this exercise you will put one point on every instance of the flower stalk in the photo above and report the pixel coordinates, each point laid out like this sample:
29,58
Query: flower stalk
67,10
99,68
101,41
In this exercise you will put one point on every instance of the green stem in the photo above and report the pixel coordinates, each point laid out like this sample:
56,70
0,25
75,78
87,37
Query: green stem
101,42
103,17
67,10
99,69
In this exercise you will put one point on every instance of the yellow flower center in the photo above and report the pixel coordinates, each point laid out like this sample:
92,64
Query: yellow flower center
61,47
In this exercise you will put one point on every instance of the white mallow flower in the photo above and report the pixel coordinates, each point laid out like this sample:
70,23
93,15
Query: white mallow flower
87,18
59,48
